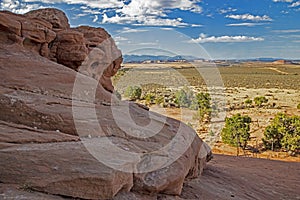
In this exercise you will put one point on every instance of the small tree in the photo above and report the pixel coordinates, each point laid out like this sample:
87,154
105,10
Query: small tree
133,92
298,106
184,97
260,100
236,131
202,102
272,138
284,132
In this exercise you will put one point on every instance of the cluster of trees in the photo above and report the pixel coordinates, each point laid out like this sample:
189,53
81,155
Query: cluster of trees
200,102
282,134
182,98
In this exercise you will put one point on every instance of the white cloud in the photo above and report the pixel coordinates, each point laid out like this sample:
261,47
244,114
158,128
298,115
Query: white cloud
245,24
79,15
250,17
287,31
119,39
288,1
139,12
91,3
167,29
224,11
144,20
196,25
152,12
90,11
17,6
295,4
285,12
204,39
95,18
132,30
145,44
289,36
153,21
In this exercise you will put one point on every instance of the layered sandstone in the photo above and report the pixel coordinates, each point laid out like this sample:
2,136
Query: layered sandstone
62,130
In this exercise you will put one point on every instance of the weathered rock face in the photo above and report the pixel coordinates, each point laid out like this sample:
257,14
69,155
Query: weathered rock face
33,34
63,132
47,32
69,49
57,18
65,168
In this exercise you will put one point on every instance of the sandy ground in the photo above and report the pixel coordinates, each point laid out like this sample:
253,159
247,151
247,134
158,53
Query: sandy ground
285,100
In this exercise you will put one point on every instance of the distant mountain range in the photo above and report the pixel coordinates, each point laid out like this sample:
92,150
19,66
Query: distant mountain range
164,58
143,58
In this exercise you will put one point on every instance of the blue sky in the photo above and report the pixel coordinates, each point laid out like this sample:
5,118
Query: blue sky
218,29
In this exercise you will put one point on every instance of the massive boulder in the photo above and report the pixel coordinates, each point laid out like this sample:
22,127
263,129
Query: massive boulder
48,33
56,17
62,130
69,49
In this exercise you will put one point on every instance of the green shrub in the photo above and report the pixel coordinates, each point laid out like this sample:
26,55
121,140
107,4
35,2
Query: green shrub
283,133
272,138
298,106
260,100
149,98
248,101
211,133
202,102
133,92
159,100
236,131
184,97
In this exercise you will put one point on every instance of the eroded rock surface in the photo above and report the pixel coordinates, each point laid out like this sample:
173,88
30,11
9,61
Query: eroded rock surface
47,32
57,18
63,131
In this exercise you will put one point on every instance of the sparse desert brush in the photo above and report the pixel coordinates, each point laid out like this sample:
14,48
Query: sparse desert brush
149,98
260,100
159,100
298,106
248,101
133,92
184,97
119,74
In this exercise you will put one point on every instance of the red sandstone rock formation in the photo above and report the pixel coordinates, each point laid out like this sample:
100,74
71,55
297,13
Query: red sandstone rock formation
48,33
47,127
